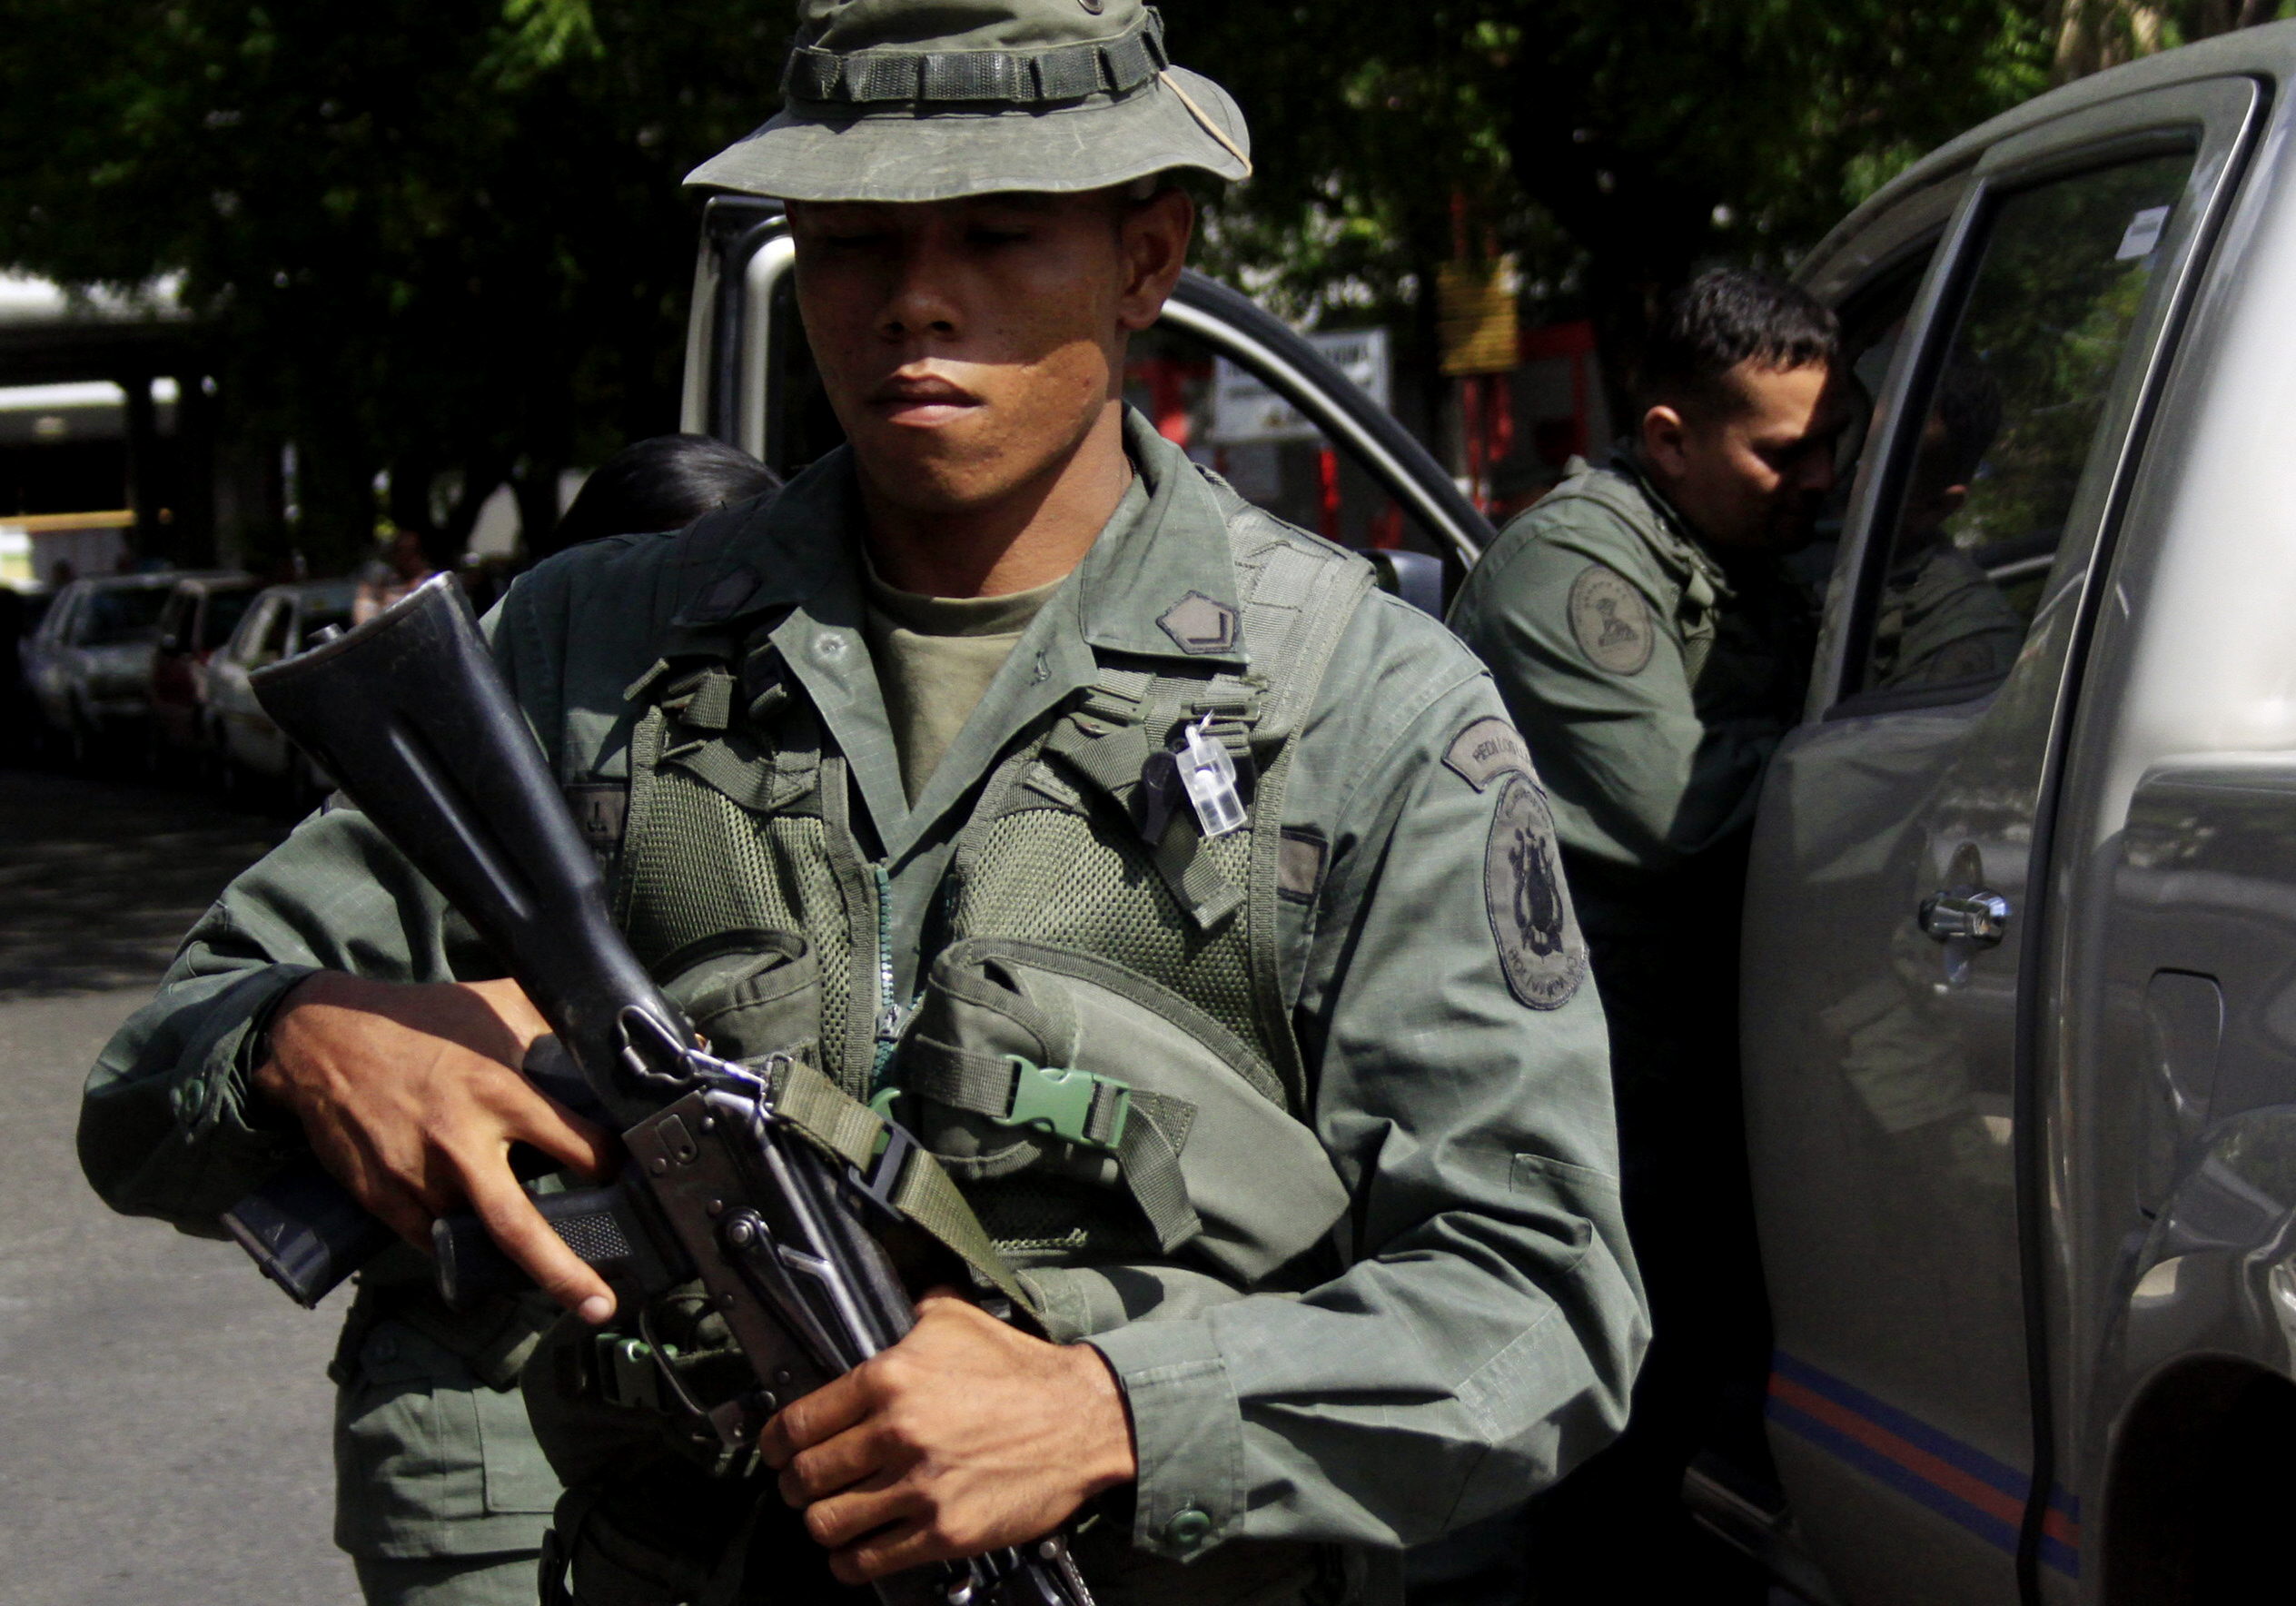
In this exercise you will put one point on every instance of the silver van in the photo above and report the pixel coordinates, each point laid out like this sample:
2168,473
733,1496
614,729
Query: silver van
2019,964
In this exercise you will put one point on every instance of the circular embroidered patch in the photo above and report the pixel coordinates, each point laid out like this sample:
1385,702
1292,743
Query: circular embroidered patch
1611,620
1531,919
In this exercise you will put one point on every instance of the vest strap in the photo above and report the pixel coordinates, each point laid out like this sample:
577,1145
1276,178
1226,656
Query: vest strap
826,1116
1144,1131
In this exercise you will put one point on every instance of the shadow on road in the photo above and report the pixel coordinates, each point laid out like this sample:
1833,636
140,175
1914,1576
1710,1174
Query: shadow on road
99,880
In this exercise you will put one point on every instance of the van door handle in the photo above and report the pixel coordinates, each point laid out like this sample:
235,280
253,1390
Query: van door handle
1969,913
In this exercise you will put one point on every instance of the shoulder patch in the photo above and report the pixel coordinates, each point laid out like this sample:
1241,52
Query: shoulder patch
1610,621
1488,748
1540,945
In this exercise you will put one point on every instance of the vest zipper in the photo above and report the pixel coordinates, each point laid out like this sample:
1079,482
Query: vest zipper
891,1014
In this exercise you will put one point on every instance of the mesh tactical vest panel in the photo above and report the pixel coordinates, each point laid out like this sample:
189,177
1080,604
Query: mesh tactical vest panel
737,822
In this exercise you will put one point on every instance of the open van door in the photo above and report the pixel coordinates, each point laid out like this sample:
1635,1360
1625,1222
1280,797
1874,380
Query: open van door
2014,319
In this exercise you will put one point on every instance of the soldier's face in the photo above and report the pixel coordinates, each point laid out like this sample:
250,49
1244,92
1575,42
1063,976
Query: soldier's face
970,347
1755,468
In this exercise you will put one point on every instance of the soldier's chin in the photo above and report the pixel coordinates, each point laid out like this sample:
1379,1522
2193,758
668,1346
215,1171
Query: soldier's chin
928,478
1792,533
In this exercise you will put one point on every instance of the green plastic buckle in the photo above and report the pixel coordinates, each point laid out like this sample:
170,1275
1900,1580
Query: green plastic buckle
1058,1099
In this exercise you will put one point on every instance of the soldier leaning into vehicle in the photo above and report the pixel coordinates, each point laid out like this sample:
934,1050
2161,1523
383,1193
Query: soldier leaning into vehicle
1653,648
1354,1273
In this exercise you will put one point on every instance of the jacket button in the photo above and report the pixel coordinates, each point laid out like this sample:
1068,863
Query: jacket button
1188,1529
383,1351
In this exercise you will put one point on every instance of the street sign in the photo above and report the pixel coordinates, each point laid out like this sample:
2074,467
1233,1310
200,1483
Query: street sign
1245,412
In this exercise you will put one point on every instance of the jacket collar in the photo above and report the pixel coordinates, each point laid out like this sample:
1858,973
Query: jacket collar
1677,541
1158,584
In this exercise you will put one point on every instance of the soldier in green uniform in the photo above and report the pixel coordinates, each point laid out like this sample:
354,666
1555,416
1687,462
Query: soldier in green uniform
1653,648
1005,750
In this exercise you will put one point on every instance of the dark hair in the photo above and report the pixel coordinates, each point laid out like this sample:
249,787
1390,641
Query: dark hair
1727,316
664,483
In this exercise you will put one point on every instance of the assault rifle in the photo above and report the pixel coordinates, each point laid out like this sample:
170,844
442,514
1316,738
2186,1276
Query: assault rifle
408,713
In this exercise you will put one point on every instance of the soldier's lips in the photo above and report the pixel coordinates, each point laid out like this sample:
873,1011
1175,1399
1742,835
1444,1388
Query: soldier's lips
921,402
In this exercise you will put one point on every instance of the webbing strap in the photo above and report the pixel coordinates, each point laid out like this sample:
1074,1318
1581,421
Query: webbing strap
1208,897
1109,741
1011,77
1144,1131
826,1116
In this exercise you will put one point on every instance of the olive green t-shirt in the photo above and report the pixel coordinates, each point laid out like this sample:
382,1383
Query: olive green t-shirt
935,658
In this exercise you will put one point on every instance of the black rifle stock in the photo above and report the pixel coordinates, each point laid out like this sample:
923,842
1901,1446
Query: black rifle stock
409,715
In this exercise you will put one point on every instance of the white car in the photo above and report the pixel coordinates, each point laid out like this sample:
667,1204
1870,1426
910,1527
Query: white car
281,622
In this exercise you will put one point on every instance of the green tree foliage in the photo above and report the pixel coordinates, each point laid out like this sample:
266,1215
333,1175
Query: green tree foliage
447,241
1612,147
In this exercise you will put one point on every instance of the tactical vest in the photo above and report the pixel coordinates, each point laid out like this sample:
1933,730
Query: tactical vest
1100,1055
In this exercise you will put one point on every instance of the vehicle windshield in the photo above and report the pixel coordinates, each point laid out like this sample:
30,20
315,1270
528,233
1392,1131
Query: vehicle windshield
124,617
224,611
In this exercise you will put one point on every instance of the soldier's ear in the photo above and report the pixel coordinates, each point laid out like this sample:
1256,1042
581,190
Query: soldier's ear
1153,238
1662,440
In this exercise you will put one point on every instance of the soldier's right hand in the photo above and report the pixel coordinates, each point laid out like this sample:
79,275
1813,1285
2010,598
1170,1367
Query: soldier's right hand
409,1095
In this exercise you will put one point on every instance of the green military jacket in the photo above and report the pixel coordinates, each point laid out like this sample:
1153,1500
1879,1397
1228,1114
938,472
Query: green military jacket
1652,680
1487,1327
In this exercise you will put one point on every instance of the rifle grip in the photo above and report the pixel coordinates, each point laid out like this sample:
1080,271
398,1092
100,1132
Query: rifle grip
589,1221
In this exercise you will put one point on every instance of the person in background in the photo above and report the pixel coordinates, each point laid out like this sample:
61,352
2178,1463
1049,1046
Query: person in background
403,566
1652,647
664,482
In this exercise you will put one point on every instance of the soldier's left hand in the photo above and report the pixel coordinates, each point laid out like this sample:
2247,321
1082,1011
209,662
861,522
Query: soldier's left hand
967,1436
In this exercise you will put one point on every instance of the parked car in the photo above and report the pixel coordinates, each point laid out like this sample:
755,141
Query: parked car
280,623
88,665
200,615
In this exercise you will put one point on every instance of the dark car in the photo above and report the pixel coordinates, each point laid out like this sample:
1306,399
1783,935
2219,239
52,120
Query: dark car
88,666
200,615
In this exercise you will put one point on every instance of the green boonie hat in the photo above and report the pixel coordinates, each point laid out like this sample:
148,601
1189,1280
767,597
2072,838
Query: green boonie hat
930,100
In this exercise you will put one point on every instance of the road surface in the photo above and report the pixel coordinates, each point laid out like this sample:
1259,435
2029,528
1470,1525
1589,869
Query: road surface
164,1412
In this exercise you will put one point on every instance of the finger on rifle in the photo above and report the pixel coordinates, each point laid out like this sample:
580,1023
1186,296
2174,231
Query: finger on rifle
382,1194
829,1410
578,1145
860,1512
508,1210
836,1462
896,1549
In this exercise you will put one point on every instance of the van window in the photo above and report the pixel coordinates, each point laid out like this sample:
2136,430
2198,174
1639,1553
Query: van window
2009,418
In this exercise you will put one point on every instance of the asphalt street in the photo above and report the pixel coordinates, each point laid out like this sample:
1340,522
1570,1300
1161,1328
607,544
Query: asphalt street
164,1412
